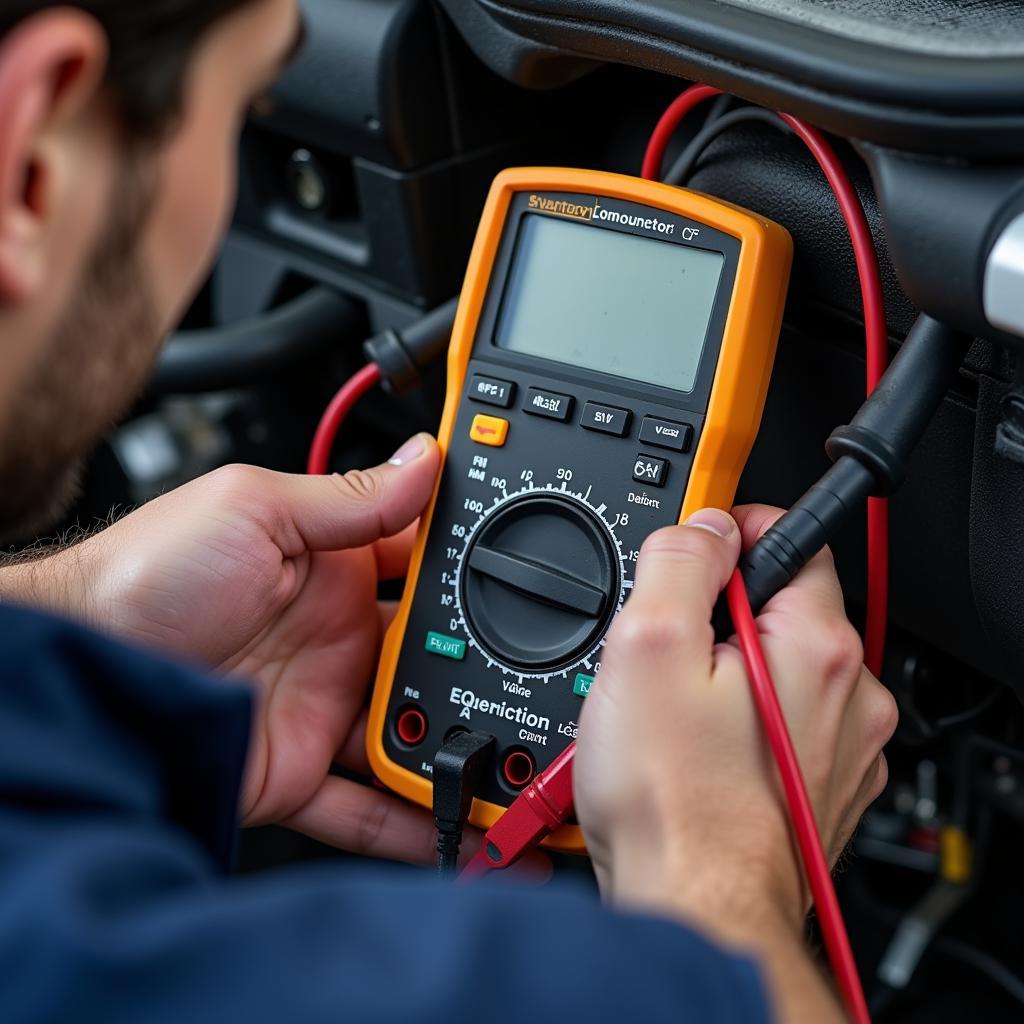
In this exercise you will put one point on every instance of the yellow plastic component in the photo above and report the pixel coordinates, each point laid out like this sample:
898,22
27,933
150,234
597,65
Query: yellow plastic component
734,411
489,430
956,855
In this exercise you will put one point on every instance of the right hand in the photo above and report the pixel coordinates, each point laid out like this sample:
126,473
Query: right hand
676,789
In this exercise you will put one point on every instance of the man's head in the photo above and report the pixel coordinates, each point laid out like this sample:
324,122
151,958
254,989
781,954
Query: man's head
119,123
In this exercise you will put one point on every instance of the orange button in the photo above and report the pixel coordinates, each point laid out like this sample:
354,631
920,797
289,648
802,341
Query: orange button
489,430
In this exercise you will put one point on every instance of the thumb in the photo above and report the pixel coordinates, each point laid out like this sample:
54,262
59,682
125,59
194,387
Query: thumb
679,575
351,510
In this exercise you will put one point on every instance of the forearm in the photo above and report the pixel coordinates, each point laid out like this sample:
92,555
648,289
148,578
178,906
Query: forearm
739,909
53,579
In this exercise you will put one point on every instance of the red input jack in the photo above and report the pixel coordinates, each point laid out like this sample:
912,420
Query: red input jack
411,726
518,768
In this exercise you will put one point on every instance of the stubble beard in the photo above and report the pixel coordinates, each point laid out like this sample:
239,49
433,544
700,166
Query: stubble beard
94,366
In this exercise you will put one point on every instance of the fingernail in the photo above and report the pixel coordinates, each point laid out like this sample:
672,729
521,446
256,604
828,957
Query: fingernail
712,520
409,452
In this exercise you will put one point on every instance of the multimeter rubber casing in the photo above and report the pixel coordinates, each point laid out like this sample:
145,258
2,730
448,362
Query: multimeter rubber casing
558,464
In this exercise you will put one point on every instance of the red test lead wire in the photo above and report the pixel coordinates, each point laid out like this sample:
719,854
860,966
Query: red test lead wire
320,452
877,338
830,917
877,358
762,688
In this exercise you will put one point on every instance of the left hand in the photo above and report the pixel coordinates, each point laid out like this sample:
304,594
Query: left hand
273,578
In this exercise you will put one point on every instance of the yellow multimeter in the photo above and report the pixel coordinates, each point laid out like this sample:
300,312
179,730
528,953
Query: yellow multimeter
606,377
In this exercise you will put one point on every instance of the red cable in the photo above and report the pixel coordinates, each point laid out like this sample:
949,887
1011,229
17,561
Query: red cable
341,405
762,688
833,928
877,338
667,125
877,352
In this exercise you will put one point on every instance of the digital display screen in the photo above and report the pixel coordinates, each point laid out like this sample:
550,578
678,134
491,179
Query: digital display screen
604,300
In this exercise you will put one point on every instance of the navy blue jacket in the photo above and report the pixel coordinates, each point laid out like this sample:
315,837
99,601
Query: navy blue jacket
119,779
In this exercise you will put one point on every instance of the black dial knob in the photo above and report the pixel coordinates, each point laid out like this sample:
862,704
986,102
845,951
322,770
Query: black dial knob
539,582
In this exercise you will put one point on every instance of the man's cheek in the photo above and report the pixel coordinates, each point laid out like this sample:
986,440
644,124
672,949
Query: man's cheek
192,212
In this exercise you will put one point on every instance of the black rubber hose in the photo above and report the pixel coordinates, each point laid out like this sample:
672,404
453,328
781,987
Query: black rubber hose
871,456
243,353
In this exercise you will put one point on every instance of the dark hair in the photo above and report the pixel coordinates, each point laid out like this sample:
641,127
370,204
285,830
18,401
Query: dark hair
151,44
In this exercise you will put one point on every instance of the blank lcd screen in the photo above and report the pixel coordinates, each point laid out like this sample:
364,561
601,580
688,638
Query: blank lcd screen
608,301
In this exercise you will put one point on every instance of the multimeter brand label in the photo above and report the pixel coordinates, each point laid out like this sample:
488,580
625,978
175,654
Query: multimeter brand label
561,207
520,715
597,212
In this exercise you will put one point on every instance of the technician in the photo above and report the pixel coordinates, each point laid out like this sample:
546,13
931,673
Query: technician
124,772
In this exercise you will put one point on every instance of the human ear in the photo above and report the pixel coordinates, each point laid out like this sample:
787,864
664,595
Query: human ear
51,76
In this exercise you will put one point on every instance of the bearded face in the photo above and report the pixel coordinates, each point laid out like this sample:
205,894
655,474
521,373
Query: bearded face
94,365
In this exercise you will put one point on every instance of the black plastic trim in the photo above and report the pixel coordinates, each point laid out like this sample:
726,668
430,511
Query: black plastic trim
899,97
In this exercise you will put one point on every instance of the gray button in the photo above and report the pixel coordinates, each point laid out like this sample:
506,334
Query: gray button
666,434
606,419
650,470
491,390
548,403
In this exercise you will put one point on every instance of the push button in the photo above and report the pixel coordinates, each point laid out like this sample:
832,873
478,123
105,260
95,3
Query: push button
666,434
582,685
446,646
548,403
491,390
489,430
606,419
649,470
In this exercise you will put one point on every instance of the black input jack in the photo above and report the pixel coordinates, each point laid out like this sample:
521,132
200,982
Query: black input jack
455,730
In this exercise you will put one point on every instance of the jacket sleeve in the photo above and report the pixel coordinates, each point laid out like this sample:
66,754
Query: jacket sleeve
119,775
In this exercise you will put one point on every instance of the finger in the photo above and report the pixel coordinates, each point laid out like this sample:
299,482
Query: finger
697,557
871,787
387,610
393,553
679,575
370,823
332,513
815,586
352,755
755,520
364,821
871,720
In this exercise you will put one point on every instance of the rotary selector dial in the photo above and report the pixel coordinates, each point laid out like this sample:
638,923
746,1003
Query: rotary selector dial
540,580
